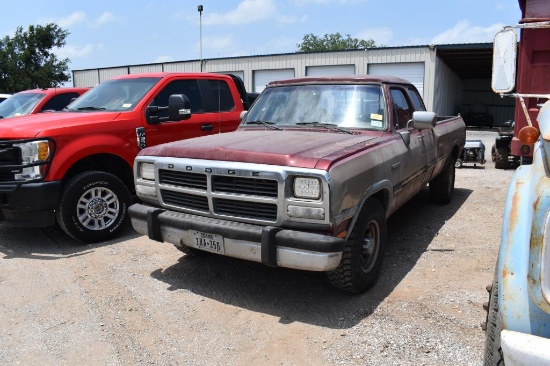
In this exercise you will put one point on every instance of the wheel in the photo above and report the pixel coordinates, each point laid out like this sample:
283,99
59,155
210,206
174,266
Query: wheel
493,152
93,207
442,186
501,159
458,163
364,250
493,351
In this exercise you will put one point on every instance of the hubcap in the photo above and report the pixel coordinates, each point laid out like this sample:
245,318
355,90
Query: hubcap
371,246
98,208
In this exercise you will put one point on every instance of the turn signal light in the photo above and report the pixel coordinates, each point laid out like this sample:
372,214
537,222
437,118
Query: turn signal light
528,135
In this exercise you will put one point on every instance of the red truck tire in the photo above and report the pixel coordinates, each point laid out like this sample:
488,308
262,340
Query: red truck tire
93,206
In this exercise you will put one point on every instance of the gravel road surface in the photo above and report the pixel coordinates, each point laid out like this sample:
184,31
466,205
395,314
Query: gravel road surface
133,301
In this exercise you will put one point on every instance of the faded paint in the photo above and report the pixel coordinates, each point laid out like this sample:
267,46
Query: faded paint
522,303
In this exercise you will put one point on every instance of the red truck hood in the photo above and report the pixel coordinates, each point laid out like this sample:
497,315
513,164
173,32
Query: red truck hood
306,149
32,125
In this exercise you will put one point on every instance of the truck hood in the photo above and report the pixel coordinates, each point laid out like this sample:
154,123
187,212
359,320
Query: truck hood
306,149
32,125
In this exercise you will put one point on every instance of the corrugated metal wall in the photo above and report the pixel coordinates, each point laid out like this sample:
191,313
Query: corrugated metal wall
447,90
479,90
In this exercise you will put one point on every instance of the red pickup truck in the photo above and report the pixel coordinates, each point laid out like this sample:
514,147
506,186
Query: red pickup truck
39,100
75,167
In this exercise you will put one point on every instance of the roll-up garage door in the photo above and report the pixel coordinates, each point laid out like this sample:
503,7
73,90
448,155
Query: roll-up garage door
332,70
263,77
410,71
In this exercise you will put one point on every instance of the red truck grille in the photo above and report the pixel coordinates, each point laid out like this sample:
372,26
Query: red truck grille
243,209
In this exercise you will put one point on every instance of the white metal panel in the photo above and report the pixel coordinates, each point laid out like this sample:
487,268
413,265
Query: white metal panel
330,70
141,69
105,74
448,94
263,77
410,71
85,78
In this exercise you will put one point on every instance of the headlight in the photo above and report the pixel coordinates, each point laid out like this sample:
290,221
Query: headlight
33,152
307,188
147,171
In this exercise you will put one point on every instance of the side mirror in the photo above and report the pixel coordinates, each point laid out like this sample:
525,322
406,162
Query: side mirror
179,107
503,78
423,120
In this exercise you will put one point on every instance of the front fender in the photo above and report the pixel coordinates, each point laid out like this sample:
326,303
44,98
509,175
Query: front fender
522,305
69,152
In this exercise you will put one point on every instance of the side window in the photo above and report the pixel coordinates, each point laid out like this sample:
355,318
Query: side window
417,101
401,108
222,100
59,102
189,87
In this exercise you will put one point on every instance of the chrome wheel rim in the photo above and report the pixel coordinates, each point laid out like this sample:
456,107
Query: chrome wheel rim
97,208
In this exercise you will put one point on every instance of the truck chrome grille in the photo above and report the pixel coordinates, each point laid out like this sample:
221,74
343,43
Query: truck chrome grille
189,201
238,185
222,192
247,210
183,179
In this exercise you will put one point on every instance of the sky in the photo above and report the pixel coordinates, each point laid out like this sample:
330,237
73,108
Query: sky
119,33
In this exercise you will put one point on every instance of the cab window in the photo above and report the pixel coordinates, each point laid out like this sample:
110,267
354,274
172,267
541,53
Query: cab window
402,109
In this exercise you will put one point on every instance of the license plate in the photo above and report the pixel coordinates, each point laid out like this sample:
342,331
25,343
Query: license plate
209,242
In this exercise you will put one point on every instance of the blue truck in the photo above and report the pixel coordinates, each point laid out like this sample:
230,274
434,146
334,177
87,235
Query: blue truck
518,310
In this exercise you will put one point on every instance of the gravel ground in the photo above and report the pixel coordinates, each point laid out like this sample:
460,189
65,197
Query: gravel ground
133,301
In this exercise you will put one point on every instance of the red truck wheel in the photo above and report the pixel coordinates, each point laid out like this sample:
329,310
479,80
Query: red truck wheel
364,250
93,206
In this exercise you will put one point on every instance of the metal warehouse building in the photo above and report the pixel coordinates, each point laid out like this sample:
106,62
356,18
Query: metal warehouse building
450,77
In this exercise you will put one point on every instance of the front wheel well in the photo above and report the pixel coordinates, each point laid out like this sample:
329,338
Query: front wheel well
107,163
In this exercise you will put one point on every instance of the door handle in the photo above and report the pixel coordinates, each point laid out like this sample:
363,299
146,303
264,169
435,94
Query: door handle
206,127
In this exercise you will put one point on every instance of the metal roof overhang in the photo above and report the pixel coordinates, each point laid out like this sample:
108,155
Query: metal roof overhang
468,61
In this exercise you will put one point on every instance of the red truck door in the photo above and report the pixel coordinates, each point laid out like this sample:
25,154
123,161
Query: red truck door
209,115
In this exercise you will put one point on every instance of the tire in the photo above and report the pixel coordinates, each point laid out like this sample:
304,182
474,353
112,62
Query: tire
501,159
458,163
443,186
493,351
93,207
493,152
364,250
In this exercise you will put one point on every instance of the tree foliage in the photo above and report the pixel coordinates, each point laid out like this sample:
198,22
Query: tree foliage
27,61
333,42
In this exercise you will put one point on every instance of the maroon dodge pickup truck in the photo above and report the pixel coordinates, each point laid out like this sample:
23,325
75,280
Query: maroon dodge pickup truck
307,181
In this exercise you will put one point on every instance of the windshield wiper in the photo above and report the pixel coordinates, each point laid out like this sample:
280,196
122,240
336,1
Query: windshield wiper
328,126
91,109
265,123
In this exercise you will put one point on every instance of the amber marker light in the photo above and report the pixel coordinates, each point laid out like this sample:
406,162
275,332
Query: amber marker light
528,135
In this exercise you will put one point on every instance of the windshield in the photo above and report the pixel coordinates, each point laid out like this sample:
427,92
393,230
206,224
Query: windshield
350,106
20,104
114,95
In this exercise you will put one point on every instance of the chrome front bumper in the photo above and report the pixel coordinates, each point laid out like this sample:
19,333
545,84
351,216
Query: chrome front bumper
269,245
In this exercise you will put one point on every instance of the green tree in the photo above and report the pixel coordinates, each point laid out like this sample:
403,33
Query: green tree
27,61
332,42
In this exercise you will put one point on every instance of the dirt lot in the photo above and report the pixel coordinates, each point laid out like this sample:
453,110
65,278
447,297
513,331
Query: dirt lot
136,302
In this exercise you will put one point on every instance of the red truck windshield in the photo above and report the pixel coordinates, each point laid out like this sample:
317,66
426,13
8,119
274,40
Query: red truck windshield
350,106
20,104
114,95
